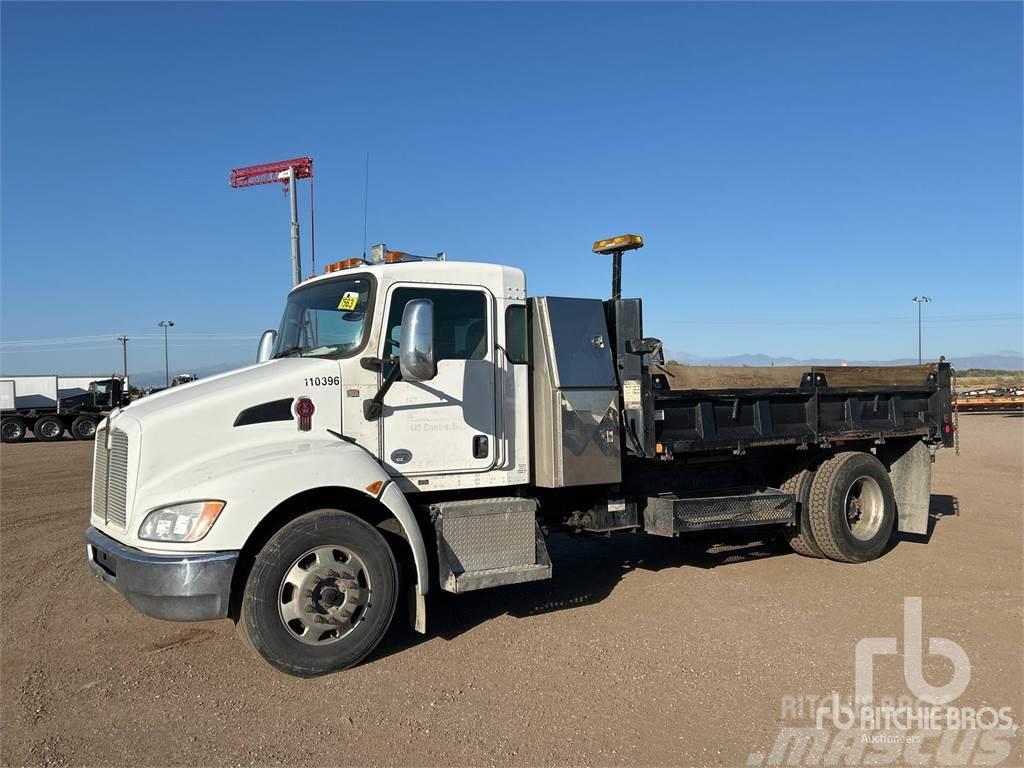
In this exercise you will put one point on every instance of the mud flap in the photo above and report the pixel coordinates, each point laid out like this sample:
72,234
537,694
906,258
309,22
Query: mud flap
911,475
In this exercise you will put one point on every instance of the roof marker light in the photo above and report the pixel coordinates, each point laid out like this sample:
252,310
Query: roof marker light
345,264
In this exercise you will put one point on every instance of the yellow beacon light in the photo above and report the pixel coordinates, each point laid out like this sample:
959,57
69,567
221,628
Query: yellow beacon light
620,243
616,246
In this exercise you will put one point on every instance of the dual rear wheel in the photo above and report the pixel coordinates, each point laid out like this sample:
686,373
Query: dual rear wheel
846,509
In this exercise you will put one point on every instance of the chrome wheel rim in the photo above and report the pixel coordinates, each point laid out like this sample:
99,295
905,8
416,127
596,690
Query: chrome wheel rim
50,429
865,508
324,595
87,428
11,431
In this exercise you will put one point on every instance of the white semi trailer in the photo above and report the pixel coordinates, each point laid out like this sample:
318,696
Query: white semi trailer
418,425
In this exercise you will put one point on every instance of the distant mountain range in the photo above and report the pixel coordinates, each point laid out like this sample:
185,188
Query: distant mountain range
1005,360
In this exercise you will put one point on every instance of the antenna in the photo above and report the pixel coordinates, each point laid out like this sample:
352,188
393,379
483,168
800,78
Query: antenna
366,200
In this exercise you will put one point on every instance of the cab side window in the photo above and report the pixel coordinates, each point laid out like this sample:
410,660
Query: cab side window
516,338
460,322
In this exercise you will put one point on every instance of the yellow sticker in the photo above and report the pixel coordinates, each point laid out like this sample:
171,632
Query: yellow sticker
349,301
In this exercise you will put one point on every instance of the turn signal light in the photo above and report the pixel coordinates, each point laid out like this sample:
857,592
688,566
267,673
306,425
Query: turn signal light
620,243
346,264
374,488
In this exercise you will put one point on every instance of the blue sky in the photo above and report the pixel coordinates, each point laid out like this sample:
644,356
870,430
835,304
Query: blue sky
799,171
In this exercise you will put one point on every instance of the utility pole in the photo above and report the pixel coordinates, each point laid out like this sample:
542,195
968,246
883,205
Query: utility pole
919,300
165,324
124,353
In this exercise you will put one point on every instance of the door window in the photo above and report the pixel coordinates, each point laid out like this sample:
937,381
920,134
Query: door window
460,322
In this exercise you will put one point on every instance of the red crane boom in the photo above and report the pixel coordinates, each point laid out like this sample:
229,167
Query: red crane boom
268,173
283,171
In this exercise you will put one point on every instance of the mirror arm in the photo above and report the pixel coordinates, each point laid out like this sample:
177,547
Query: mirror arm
373,407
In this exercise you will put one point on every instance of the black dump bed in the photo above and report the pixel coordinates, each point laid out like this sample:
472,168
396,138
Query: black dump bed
703,408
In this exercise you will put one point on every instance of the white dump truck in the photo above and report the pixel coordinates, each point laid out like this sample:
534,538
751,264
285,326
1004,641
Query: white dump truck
420,424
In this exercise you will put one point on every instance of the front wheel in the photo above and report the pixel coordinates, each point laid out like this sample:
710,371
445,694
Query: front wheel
320,594
852,507
84,428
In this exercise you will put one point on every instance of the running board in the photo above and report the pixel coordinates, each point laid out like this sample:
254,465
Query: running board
669,515
484,543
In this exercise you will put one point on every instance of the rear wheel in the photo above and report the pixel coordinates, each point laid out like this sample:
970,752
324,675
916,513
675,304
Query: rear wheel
320,595
48,429
12,430
84,428
852,508
800,537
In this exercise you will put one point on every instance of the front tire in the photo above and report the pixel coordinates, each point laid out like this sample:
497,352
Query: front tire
84,428
320,595
852,508
48,429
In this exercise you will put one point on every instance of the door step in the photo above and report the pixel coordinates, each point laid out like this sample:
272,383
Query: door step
485,543
670,514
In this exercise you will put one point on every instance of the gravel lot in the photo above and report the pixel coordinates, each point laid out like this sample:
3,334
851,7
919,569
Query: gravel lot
640,651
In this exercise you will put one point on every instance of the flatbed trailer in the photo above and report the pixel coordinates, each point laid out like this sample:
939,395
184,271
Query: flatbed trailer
49,406
426,423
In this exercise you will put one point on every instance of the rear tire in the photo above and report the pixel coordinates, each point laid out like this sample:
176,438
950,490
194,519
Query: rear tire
12,430
48,429
84,428
852,507
320,595
800,537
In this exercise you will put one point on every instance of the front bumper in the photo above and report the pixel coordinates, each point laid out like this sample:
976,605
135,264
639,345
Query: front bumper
176,587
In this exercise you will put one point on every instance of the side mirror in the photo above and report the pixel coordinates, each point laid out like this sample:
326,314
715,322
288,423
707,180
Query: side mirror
266,347
417,341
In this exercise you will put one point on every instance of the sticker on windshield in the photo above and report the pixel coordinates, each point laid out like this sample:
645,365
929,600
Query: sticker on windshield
348,301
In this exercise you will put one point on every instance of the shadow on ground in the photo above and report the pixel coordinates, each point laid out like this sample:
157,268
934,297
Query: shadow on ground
587,569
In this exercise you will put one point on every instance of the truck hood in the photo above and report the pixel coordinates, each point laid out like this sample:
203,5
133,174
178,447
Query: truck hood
195,423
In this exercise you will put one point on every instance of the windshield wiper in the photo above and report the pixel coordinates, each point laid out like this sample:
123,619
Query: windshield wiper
289,351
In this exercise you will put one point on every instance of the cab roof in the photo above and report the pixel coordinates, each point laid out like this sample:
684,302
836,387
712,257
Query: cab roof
500,279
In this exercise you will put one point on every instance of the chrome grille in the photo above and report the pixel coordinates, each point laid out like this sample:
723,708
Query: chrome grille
117,479
99,475
110,478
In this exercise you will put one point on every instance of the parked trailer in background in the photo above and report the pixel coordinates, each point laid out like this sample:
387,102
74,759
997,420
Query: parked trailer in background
50,405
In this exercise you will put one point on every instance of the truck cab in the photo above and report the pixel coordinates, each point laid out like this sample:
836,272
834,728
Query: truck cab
418,423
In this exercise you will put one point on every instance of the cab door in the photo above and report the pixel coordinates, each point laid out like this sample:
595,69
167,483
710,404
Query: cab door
445,425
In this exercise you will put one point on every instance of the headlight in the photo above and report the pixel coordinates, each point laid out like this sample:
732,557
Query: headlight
189,521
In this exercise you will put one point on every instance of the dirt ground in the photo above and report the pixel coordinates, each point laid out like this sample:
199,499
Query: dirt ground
640,651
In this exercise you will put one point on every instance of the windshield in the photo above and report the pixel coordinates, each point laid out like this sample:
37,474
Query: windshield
324,319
